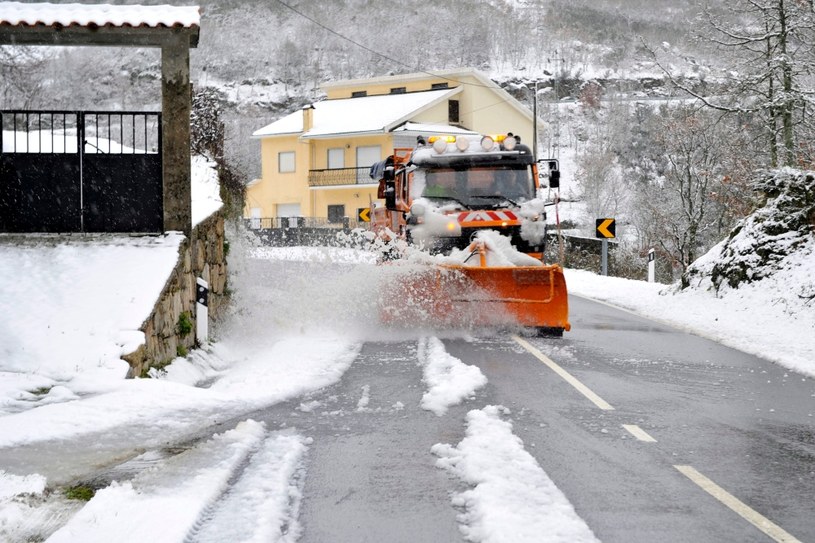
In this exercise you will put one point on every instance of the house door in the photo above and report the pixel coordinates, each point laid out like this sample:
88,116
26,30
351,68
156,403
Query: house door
366,156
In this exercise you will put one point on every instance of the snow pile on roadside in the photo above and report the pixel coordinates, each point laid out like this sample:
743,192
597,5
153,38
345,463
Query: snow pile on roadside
449,379
512,498
167,504
71,308
754,291
16,484
258,376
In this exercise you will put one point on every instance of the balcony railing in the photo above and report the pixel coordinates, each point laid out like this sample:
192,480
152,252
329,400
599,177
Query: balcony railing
340,176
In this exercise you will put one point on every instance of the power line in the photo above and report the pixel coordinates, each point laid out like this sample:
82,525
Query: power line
391,59
366,48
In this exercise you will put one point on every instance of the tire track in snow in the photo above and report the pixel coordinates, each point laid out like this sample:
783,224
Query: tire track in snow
262,503
186,497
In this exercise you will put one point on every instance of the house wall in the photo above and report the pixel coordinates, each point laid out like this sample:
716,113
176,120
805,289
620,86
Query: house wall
320,147
437,114
353,197
275,187
482,108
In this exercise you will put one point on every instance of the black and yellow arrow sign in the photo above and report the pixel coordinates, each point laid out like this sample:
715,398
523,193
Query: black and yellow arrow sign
606,228
364,214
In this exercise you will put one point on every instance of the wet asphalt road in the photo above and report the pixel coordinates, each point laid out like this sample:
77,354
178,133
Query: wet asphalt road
745,424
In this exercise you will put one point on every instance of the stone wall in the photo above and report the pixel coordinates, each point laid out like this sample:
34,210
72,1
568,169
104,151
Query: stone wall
165,335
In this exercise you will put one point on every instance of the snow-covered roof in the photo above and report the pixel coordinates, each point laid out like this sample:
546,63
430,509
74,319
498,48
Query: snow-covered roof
98,15
366,115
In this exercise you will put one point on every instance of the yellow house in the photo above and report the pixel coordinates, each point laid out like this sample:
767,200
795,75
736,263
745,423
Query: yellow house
315,162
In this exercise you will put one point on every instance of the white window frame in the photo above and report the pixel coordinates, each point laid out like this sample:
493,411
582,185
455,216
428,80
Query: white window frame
336,161
286,162
362,176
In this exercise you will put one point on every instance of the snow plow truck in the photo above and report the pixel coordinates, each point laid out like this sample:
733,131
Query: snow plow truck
477,202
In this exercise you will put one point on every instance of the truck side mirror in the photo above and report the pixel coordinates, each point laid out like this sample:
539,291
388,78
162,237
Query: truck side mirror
553,167
554,179
389,193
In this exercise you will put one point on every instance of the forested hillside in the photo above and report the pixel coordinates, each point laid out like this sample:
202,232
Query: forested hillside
659,110
267,57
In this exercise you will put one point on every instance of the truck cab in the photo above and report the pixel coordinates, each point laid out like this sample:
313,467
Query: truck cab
443,191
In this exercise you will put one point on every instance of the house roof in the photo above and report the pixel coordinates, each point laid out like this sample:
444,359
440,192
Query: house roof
356,116
97,15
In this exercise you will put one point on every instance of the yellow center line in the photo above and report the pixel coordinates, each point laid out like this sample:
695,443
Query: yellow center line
753,517
639,433
568,377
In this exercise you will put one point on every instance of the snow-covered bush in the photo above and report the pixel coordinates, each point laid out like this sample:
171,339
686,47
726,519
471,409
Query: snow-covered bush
760,244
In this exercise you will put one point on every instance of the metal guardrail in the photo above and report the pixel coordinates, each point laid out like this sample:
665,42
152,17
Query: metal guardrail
270,223
340,176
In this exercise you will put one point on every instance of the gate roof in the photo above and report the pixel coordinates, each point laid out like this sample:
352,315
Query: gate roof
96,24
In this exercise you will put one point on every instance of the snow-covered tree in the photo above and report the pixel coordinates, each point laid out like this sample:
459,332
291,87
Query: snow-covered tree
768,45
17,88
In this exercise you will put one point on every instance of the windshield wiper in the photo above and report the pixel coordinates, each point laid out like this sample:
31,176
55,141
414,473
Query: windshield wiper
494,197
459,202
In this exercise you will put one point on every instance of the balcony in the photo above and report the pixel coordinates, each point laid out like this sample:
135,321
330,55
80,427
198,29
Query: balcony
340,176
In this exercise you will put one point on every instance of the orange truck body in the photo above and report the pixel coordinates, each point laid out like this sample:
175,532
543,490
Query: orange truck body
453,295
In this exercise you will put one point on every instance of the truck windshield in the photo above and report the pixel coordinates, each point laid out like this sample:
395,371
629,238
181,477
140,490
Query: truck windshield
480,186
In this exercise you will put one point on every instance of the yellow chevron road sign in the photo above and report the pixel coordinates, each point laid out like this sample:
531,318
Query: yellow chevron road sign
606,228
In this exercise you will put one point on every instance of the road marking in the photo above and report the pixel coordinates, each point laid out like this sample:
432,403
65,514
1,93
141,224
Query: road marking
753,517
568,377
639,433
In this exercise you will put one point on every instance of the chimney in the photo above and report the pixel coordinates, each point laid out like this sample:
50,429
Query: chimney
308,117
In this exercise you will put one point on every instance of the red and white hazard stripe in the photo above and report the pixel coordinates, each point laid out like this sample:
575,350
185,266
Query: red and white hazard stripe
487,217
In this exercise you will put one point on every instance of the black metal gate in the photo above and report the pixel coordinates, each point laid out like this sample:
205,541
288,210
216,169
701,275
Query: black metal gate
80,171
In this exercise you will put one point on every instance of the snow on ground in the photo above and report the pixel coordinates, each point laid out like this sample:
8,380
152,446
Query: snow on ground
71,309
52,390
449,380
245,474
512,498
72,306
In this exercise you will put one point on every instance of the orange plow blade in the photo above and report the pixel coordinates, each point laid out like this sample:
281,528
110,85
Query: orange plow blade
463,296
531,296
